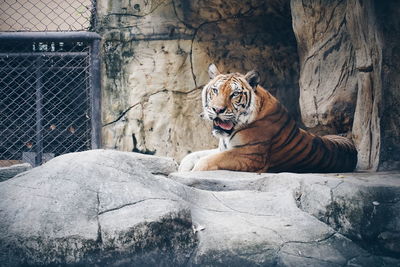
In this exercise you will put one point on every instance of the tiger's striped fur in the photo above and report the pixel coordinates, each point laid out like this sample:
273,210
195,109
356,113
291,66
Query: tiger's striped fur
257,133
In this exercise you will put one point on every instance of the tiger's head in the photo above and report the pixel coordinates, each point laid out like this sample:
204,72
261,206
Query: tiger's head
229,100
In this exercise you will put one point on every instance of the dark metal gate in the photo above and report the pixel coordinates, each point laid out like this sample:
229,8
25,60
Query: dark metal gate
49,88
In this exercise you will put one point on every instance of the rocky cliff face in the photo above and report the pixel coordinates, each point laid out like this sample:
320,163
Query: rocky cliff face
346,84
156,55
332,63
387,14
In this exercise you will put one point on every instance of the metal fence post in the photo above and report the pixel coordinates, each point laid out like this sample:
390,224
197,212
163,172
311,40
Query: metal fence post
39,112
95,93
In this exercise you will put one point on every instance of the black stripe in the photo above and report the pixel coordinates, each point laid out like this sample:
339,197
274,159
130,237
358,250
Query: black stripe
344,156
277,111
288,120
327,159
240,99
279,108
247,127
254,144
248,99
293,133
307,164
254,156
334,159
339,155
243,100
260,154
294,155
325,162
253,159
309,159
282,114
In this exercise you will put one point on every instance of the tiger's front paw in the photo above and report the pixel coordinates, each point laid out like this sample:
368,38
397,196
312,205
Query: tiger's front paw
204,165
187,164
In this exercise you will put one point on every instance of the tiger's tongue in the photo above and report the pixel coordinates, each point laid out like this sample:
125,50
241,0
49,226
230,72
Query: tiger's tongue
226,125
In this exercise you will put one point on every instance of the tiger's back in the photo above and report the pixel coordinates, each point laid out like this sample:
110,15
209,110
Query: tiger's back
311,153
296,150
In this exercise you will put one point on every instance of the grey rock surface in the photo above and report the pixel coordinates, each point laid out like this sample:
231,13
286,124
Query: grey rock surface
94,207
363,207
120,209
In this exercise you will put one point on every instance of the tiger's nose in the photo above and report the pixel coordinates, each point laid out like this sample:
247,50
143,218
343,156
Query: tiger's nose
219,110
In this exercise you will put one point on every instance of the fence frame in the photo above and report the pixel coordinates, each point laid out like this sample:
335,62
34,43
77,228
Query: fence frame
94,69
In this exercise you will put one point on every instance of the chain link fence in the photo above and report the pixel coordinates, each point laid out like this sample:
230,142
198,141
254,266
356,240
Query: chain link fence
47,15
49,80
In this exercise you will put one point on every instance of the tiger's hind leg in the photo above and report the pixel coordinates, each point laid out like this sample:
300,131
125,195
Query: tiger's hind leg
190,160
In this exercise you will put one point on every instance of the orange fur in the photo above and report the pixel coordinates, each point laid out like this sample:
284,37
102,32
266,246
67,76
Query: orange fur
267,138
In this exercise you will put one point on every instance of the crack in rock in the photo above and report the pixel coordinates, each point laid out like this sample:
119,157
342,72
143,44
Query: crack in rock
308,257
134,203
246,14
99,239
306,242
144,100
232,209
329,236
122,114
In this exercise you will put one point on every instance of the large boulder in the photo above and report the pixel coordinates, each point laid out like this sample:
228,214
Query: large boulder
95,207
117,208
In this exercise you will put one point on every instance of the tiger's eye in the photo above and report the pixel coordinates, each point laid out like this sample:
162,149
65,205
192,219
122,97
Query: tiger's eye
215,90
236,94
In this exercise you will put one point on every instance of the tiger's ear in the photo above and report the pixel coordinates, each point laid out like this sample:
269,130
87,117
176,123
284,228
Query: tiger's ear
213,71
253,78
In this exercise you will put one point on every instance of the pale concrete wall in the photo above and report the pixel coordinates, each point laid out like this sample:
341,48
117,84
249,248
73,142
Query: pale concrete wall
44,15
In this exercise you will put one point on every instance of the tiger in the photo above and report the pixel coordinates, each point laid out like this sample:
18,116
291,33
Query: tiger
257,134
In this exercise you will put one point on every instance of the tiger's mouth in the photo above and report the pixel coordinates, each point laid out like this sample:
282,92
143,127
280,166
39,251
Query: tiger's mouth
224,126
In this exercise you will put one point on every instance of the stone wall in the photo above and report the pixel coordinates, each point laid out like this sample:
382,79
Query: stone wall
155,59
387,13
348,78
